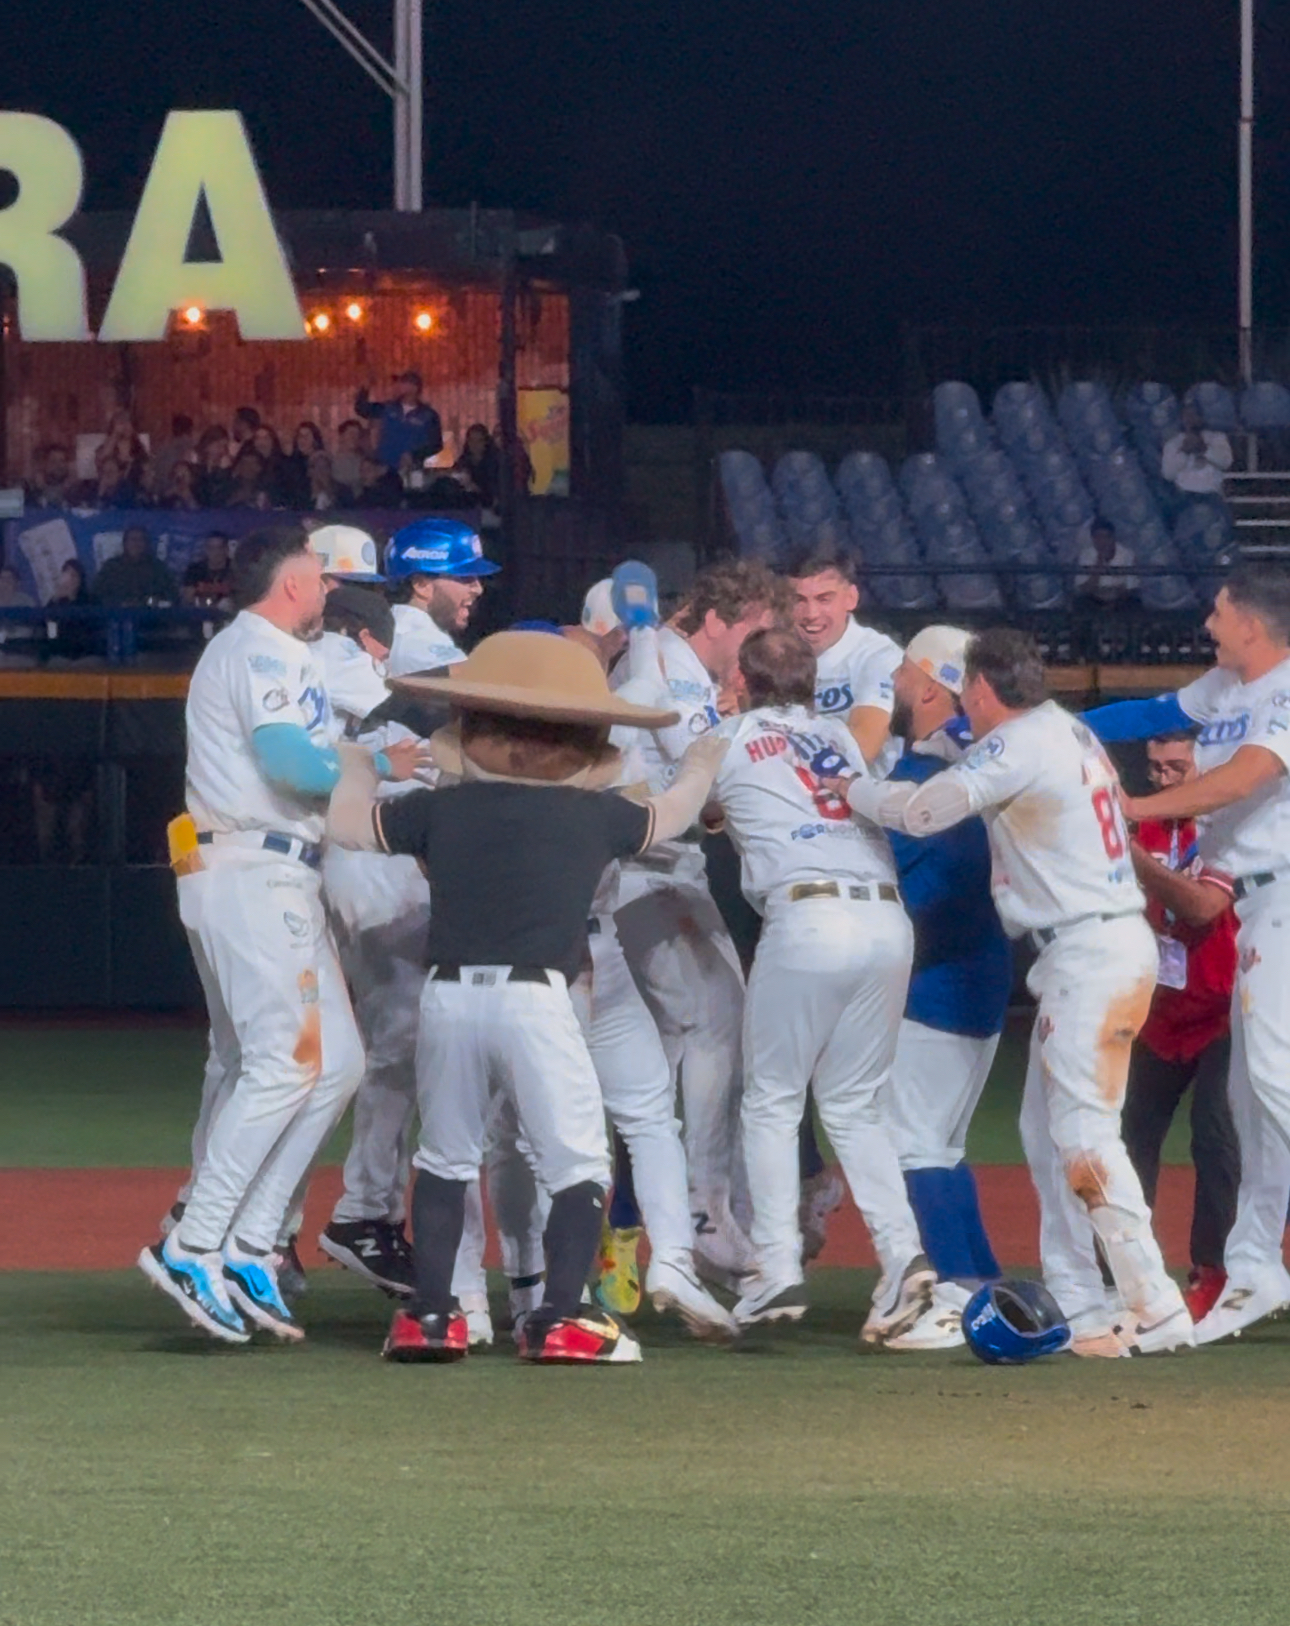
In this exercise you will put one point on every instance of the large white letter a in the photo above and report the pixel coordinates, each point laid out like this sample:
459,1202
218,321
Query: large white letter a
206,152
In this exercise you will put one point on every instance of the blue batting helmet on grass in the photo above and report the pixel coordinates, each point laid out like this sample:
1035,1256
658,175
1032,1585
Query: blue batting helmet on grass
437,547
1008,1323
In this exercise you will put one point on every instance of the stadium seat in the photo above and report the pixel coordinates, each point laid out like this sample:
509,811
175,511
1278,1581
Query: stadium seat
1265,406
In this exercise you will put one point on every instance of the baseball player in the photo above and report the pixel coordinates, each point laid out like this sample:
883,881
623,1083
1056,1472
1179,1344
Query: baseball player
1241,800
671,931
442,566
1061,874
247,854
827,986
854,664
514,863
958,995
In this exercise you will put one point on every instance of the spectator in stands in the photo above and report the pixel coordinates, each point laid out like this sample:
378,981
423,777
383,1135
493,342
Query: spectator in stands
181,488
209,578
180,448
480,466
1196,459
12,596
246,420
247,488
51,484
214,478
71,587
121,442
323,492
379,487
1105,552
347,462
265,441
135,575
106,490
295,486
407,425
1186,1042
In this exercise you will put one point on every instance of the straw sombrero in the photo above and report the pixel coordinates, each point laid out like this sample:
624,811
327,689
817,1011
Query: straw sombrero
532,674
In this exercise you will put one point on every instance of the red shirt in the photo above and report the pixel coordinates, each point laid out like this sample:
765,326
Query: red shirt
1183,1021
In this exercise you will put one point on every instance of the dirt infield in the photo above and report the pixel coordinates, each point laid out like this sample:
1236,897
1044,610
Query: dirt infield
97,1219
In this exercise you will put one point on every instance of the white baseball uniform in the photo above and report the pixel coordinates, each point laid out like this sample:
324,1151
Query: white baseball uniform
420,643
281,1024
828,982
1250,841
1061,872
678,947
858,671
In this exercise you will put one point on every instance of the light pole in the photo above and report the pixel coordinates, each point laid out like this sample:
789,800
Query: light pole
400,80
1245,277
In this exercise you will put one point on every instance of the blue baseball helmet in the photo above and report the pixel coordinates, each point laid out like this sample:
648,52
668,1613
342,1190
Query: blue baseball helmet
1009,1323
437,547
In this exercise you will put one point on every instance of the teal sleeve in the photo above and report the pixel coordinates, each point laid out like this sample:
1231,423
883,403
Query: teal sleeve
290,760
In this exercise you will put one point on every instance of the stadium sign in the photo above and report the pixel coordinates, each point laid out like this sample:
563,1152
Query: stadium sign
200,154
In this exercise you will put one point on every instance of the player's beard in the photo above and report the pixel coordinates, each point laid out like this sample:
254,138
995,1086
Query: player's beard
902,721
310,630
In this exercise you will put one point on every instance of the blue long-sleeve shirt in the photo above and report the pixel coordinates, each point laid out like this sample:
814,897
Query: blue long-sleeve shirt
962,974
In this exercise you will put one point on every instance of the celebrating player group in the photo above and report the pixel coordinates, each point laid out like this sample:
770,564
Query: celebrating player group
469,894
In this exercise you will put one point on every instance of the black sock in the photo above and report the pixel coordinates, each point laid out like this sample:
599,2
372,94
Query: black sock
571,1238
438,1217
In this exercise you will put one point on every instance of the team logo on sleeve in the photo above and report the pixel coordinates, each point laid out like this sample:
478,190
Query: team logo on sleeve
979,755
1223,730
267,665
275,699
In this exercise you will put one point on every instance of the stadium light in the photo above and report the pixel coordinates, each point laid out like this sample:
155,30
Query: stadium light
401,81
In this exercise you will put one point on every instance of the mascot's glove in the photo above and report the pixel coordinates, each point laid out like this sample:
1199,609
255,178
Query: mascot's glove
680,805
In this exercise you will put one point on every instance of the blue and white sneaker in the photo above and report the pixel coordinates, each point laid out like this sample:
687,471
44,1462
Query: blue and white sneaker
634,595
252,1283
196,1283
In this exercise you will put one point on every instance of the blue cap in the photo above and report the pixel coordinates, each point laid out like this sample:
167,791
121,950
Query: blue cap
437,547
538,626
1009,1323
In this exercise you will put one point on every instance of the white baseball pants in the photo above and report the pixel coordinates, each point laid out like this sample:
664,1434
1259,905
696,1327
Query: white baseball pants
685,964
639,1096
824,1002
1259,1080
485,1035
1093,984
936,1082
282,1025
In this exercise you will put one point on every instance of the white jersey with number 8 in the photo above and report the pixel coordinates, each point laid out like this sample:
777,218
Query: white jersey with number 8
784,825
1048,794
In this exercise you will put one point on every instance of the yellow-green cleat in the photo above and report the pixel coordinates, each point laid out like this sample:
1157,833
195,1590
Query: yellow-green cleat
619,1288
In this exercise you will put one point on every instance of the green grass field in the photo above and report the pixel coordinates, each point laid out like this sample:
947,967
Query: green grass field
149,1478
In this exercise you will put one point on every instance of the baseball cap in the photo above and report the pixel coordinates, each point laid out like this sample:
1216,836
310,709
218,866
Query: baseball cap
437,547
368,609
346,551
941,653
598,614
410,377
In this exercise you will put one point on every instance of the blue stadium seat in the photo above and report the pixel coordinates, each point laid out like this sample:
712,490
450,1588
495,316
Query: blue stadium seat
1265,406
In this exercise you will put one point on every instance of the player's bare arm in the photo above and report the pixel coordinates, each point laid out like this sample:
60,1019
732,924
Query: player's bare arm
870,727
1249,770
1195,900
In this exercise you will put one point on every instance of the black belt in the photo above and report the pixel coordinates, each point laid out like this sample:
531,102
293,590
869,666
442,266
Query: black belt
310,851
1245,884
445,972
882,891
1042,936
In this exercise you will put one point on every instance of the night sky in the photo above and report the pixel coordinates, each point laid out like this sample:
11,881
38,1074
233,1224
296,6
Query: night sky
792,181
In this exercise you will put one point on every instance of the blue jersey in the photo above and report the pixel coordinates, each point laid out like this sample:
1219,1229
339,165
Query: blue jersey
962,975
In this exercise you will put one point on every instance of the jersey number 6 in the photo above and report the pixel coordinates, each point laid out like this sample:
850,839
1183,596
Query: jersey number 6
1109,821
828,804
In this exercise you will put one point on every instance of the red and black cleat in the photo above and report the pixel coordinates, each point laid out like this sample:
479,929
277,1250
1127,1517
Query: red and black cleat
1204,1288
591,1338
427,1338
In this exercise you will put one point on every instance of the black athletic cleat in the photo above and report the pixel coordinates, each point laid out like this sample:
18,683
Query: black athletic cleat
374,1249
292,1281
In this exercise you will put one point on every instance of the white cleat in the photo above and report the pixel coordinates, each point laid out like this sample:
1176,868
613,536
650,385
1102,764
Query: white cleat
898,1304
1159,1334
939,1327
767,1300
1254,1297
479,1323
674,1287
